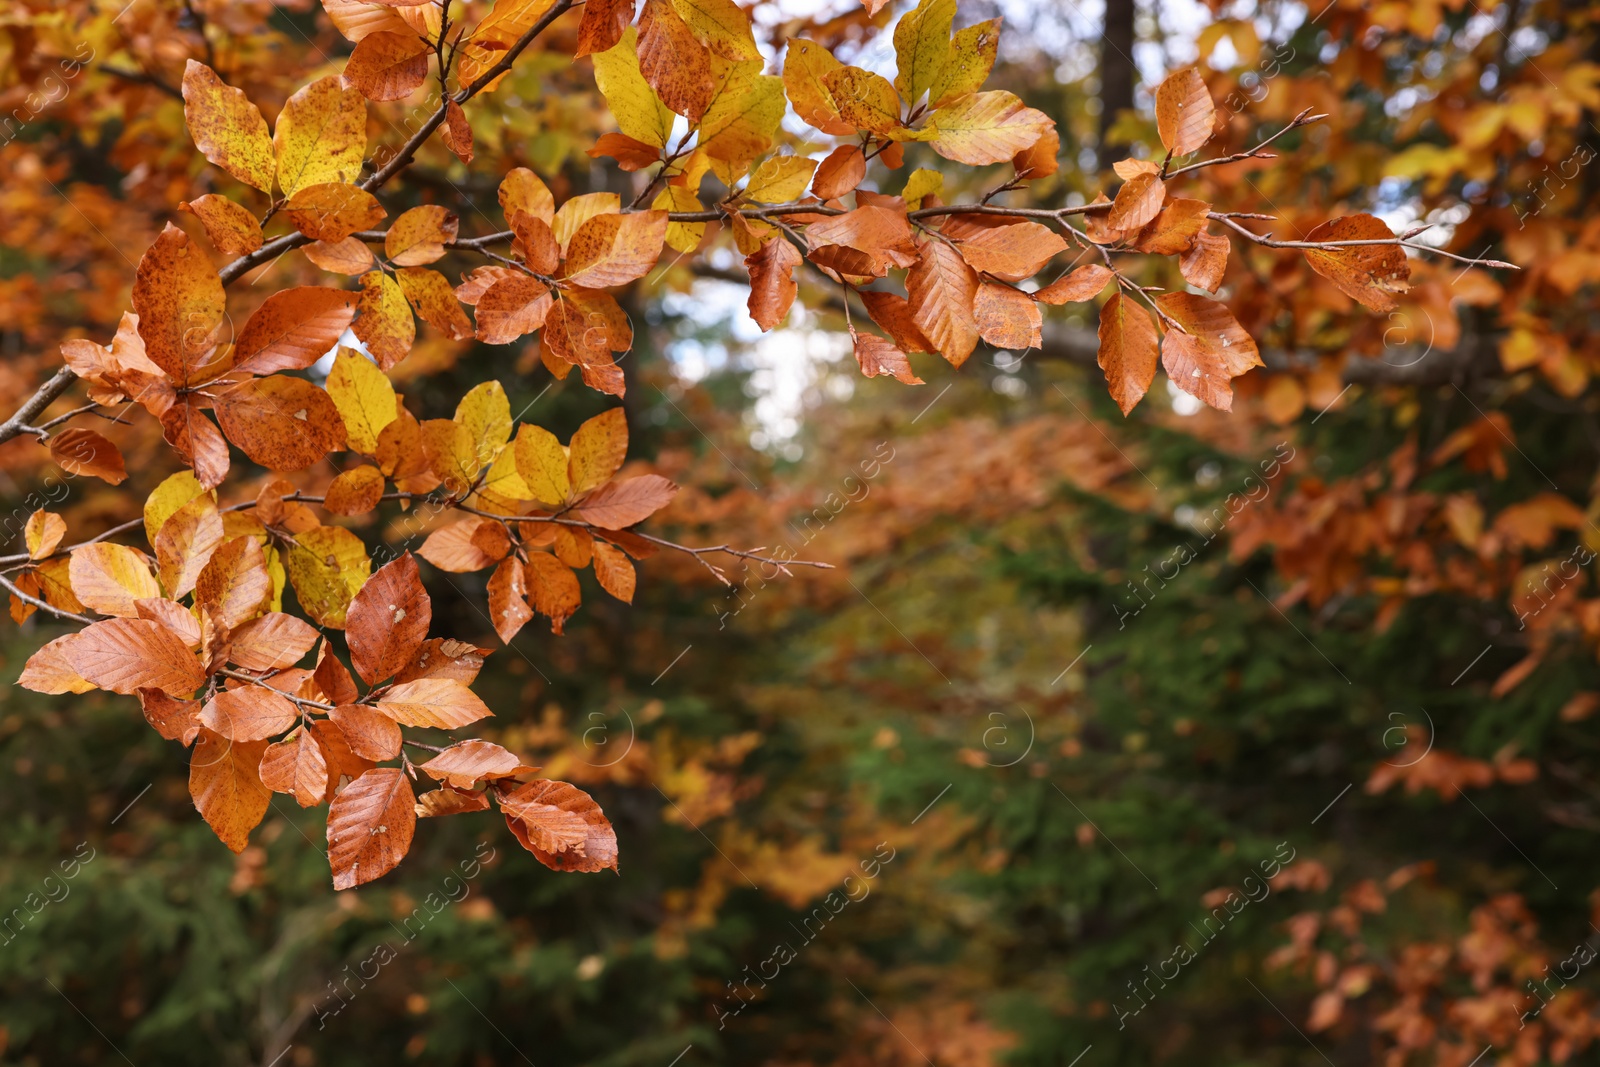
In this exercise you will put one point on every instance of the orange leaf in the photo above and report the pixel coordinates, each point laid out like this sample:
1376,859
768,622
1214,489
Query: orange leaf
110,578
1137,202
45,529
438,702
388,620
178,298
1082,284
196,438
234,585
456,131
387,66
941,288
419,235
50,671
1368,274
123,655
173,719
434,301
772,285
271,643
466,763
348,256
250,713
284,424
225,782
508,599
1215,349
555,591
618,505
613,571
893,312
613,249
1012,253
630,155
370,733
370,825
297,766
602,25
81,451
1174,228
356,491
333,211
229,225
512,307
469,545
841,172
447,801
1185,115
878,356
1204,264
1007,318
442,657
535,827
1127,350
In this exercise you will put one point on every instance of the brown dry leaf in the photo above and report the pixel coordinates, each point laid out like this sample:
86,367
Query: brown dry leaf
675,65
1007,318
840,173
573,546
370,825
81,451
284,424
433,701
534,242
226,127
630,155
50,671
175,720
614,572
179,301
186,542
598,850
123,655
941,288
1128,350
230,226
554,590
355,492
443,657
1137,202
418,236
523,190
1042,159
1174,228
893,312
225,782
1012,253
388,66
193,435
1368,274
618,505
508,599
332,678
250,713
271,643
610,250
511,308
110,578
544,829
388,620
293,328
1185,115
348,256
878,237
235,585
45,529
1204,265
434,301
384,323
1215,350
469,545
447,801
1084,283
772,284
456,131
297,766
466,763
333,211
370,733
878,356
479,280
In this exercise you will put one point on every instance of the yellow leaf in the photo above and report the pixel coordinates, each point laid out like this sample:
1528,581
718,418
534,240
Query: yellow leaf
579,210
742,118
167,498
542,462
597,450
972,53
986,128
226,127
493,37
328,566
43,533
321,136
922,47
923,182
523,190
111,578
781,179
486,413
365,399
866,100
806,67
185,544
722,26
383,321
682,237
639,112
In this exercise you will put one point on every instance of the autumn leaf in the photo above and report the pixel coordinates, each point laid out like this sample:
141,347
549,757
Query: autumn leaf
806,67
437,702
1013,252
282,423
1174,229
721,26
44,529
419,235
542,462
1185,114
602,25
234,585
296,766
388,620
989,127
356,491
523,190
1204,265
1082,283
364,398
293,329
553,589
618,505
50,671
249,713
186,543
972,55
922,47
1007,317
434,301
641,115
82,451
535,814
877,356
387,66
370,825
124,655
674,65
1210,349
1369,274
333,211
772,284
469,545
1137,202
597,450
383,320
612,250
327,565
230,227
843,170
225,782
867,101
174,719
271,643
941,288
466,763
226,127
1127,350
321,136
511,308
109,578
370,733
178,298
349,256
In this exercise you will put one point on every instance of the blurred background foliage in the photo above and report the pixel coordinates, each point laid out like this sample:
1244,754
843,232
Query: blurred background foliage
1077,677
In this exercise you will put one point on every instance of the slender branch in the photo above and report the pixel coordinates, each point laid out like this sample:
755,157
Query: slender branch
43,398
140,77
262,682
1267,242
1305,118
28,598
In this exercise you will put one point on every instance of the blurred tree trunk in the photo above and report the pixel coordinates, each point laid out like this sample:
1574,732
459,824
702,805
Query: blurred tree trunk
1116,73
